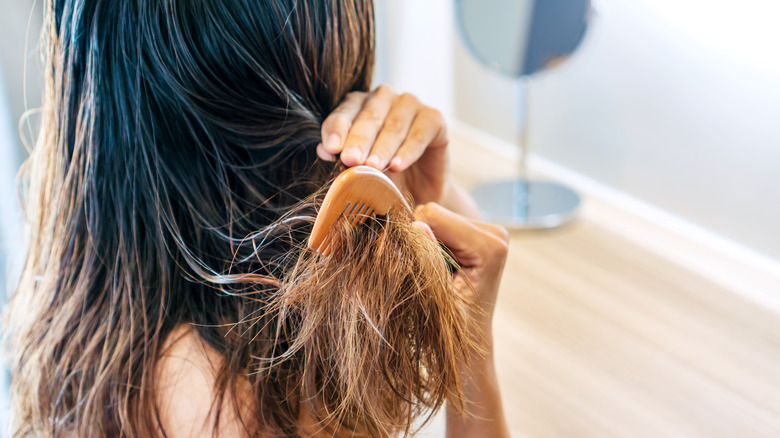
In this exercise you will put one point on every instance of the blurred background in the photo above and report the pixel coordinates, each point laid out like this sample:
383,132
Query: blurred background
655,312
667,120
673,102
20,89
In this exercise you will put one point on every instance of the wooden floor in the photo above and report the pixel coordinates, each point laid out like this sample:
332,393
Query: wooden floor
599,337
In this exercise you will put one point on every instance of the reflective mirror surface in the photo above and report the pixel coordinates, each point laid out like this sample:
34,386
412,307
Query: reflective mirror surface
522,37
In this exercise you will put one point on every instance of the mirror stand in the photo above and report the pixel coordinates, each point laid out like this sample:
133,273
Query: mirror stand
524,203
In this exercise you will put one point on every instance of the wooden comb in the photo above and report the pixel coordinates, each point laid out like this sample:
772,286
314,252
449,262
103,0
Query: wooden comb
355,195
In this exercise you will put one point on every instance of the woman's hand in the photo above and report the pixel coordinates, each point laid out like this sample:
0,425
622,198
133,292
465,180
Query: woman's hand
481,250
394,133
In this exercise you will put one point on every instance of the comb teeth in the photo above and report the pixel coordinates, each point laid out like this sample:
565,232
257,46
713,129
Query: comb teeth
357,194
355,213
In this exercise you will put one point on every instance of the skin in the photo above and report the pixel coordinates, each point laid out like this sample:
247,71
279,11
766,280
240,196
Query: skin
393,133
408,141
481,250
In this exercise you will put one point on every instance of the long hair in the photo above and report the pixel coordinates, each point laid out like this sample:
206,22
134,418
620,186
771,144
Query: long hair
174,181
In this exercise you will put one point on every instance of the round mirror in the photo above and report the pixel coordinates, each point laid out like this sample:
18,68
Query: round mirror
522,37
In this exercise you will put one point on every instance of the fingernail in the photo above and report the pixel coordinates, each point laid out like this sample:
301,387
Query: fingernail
325,155
332,143
353,153
396,163
372,161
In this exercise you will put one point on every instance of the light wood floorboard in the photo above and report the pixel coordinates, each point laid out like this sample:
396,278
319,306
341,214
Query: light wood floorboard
599,337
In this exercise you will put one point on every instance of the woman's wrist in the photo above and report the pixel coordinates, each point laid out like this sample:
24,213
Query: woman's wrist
484,413
456,198
482,351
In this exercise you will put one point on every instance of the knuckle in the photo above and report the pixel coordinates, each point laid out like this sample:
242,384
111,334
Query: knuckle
408,99
354,95
504,234
336,122
418,136
384,90
430,209
500,232
432,113
498,246
372,114
394,125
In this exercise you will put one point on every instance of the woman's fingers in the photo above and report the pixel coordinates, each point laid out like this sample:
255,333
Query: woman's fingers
480,249
394,130
456,232
390,133
323,154
336,126
427,130
425,229
366,126
474,244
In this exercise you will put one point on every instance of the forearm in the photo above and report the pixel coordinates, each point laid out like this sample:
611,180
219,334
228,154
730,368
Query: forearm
484,416
481,250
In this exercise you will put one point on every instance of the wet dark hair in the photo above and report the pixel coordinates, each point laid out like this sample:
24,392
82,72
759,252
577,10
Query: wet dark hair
173,182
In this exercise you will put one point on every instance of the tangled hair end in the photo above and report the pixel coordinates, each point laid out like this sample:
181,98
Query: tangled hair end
371,335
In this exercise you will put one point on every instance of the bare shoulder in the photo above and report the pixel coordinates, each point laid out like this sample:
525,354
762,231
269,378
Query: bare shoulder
185,379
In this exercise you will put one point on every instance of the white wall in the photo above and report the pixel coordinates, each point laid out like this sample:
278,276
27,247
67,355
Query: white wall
14,17
415,49
20,89
20,21
675,102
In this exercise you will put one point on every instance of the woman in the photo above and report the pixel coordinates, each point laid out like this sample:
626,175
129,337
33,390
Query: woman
165,292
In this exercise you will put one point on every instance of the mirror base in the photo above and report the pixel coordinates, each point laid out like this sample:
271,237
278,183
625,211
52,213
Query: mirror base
527,204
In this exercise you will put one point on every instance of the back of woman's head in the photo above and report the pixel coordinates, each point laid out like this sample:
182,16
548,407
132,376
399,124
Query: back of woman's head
172,182
207,103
